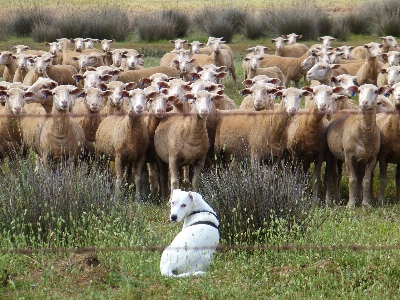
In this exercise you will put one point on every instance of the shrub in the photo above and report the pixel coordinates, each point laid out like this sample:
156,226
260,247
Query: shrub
73,25
306,20
340,29
254,27
4,31
358,22
48,205
385,17
24,21
251,201
43,32
153,27
180,19
221,22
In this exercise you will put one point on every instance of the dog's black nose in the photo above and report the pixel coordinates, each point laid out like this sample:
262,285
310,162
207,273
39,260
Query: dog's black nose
173,218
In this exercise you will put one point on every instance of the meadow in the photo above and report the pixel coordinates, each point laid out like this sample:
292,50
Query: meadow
65,235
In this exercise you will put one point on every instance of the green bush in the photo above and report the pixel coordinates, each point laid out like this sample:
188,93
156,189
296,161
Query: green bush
254,203
340,29
254,27
43,32
23,23
153,27
358,22
384,16
180,19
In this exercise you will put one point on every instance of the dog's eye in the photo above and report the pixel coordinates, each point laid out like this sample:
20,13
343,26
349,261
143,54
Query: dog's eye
183,205
172,203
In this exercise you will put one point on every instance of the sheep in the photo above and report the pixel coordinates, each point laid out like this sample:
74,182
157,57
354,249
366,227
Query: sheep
388,125
322,72
136,75
208,75
349,68
59,137
81,44
223,46
393,58
62,74
393,74
261,96
368,72
293,50
292,38
290,66
106,44
194,47
119,58
259,135
254,69
260,79
355,140
346,52
10,130
345,81
184,66
223,57
8,60
119,92
89,43
178,43
92,78
202,60
387,42
20,48
55,50
133,61
182,140
326,40
169,57
22,69
125,140
306,141
87,116
93,59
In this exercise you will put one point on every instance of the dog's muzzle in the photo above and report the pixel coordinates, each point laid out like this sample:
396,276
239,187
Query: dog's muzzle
173,218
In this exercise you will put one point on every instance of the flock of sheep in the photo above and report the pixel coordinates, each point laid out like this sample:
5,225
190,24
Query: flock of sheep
154,123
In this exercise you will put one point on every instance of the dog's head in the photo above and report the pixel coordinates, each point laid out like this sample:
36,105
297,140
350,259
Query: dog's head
181,205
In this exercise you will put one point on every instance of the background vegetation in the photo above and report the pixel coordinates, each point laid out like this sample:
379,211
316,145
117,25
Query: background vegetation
74,207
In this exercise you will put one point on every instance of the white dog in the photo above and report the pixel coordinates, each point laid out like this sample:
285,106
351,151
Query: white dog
190,253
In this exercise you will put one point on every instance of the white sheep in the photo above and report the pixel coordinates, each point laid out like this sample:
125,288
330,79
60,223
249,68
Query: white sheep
292,38
223,57
368,72
326,40
261,96
292,50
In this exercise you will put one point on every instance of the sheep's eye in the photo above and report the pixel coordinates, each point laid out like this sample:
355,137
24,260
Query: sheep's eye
339,80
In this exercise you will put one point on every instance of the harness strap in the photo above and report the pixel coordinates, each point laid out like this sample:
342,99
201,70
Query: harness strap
205,223
200,211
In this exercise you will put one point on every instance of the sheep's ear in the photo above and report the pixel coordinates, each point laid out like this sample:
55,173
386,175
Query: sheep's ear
90,68
353,89
186,87
278,93
152,94
3,93
341,98
140,55
221,69
383,70
176,62
189,96
245,92
307,93
75,58
164,91
46,92
106,77
338,89
335,66
162,84
274,80
102,86
307,88
106,93
172,41
273,41
261,58
332,79
221,75
246,58
78,77
124,94
384,55
351,47
382,90
299,36
192,61
247,82
250,49
115,72
320,39
130,86
381,45
284,36
198,69
191,196
76,91
194,76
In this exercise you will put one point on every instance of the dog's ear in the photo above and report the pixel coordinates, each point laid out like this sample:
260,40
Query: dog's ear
191,196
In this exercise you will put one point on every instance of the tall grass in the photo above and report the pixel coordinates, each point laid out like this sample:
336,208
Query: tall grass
256,202
384,16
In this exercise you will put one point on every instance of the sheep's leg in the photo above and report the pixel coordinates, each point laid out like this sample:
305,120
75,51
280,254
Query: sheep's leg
367,182
174,173
119,172
329,169
397,183
360,169
138,167
153,177
163,169
297,83
198,166
351,168
316,179
233,73
383,180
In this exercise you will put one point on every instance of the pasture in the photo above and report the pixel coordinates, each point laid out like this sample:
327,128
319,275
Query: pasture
66,235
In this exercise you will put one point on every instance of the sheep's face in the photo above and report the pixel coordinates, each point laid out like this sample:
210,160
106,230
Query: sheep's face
260,50
389,41
158,104
177,88
254,61
368,95
22,60
54,47
132,60
15,99
322,97
216,45
106,44
184,65
178,43
373,49
158,77
393,58
118,92
319,71
263,96
39,64
202,103
279,42
89,43
79,44
291,98
195,46
6,58
211,76
345,81
94,78
64,97
336,103
292,38
117,56
393,75
308,63
20,48
327,40
94,98
396,94
182,204
87,60
345,51
138,101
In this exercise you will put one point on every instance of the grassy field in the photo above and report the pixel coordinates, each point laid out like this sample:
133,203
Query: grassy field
306,273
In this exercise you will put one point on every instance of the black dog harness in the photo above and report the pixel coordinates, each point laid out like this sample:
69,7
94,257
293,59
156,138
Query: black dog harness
205,222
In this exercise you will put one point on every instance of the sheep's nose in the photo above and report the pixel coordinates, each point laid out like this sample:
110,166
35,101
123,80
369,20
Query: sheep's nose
173,218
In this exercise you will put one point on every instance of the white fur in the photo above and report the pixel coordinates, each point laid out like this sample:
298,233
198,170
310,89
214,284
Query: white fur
190,253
